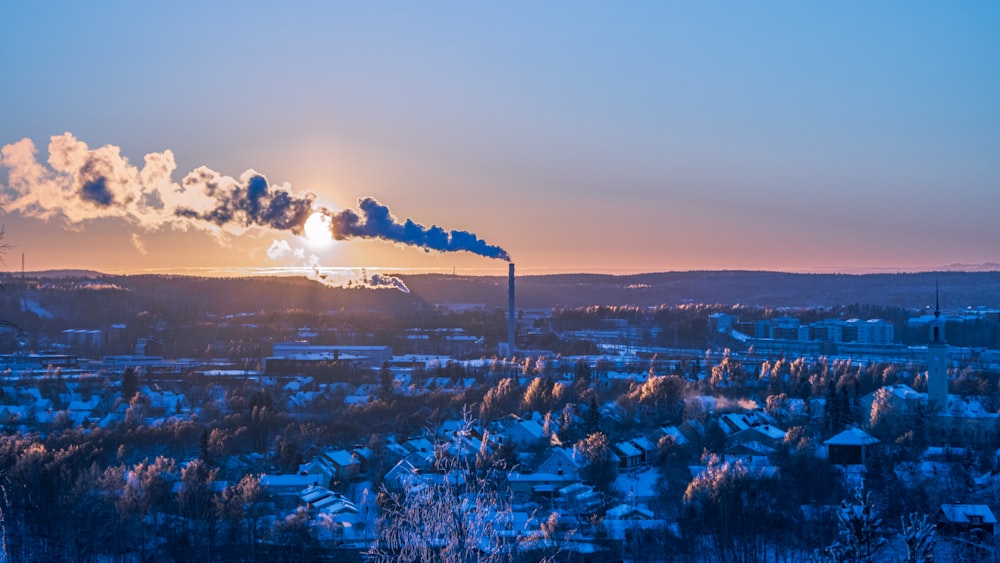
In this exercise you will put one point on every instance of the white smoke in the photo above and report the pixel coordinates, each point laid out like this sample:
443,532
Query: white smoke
138,244
353,278
282,251
81,184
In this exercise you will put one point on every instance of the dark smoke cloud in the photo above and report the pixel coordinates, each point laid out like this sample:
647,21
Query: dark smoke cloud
376,221
250,204
96,191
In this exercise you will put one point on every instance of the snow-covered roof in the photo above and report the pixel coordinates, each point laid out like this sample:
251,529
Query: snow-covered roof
967,512
644,444
626,511
770,431
403,471
679,438
554,462
967,407
904,391
341,458
750,448
516,476
627,449
576,489
734,422
419,445
314,493
852,437
532,428
289,481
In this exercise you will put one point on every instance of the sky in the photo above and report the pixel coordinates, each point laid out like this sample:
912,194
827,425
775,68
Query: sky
608,137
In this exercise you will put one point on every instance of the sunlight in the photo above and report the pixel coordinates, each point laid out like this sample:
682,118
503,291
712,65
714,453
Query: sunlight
317,229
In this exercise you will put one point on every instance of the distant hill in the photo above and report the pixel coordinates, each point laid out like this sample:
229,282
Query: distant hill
765,289
61,274
768,289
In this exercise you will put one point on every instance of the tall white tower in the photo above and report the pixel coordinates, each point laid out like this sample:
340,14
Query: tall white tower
937,361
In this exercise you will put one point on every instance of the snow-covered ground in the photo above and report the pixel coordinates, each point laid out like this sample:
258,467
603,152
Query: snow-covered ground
638,487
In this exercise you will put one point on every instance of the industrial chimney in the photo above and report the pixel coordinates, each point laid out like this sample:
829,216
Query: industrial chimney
510,312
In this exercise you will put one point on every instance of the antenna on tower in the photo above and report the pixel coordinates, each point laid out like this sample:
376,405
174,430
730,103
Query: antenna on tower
937,298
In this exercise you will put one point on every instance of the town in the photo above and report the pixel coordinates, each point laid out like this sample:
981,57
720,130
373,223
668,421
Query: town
506,282
198,430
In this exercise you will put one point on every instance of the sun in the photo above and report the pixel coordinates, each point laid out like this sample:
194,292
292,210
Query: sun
317,229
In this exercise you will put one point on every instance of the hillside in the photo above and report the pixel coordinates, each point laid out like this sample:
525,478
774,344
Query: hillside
768,289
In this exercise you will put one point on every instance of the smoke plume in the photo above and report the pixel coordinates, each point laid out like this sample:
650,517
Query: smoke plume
281,250
353,278
78,184
375,221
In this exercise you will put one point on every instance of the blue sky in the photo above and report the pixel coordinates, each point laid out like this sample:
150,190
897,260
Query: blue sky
580,136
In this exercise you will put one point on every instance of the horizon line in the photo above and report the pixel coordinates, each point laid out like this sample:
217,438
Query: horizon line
280,271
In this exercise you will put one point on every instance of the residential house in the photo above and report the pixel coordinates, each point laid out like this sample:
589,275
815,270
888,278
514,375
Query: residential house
853,446
628,512
631,524
321,499
562,463
320,469
401,474
537,485
629,455
679,438
578,498
970,520
345,464
83,411
765,434
693,430
285,485
732,422
526,433
647,447
13,414
365,455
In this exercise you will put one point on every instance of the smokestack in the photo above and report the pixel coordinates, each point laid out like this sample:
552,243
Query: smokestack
510,311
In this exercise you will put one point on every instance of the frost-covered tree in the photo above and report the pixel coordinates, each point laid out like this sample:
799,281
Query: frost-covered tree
738,509
240,509
500,400
728,376
920,535
859,526
196,505
883,418
660,397
452,515
601,469
538,395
